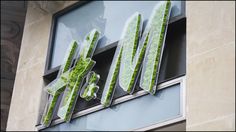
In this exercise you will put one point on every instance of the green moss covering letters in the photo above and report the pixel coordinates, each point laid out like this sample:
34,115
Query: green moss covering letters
49,113
74,85
83,65
152,57
57,86
111,79
89,44
130,60
70,56
90,92
129,43
94,78
90,88
123,58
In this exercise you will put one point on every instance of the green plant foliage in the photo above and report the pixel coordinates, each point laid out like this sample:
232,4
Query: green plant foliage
130,65
90,92
89,44
152,57
83,65
90,87
129,43
57,86
47,118
130,60
80,71
69,57
94,78
111,79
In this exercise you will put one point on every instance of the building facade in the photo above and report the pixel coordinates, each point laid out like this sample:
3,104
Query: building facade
197,87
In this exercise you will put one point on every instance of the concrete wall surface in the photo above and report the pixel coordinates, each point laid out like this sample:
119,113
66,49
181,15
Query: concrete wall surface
27,92
210,65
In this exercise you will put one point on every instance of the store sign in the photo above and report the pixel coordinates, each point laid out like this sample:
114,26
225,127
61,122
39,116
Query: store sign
133,51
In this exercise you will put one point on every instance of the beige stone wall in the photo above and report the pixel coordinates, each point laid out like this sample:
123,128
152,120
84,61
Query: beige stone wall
28,85
210,65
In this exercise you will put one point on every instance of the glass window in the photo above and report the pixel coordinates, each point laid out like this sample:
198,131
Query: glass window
107,16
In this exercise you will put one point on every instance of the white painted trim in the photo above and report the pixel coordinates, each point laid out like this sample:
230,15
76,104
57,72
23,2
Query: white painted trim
183,87
161,124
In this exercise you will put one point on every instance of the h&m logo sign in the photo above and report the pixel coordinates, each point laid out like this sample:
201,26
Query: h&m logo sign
134,50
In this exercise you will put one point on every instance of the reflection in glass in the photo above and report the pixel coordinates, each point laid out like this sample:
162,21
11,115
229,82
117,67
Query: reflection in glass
107,16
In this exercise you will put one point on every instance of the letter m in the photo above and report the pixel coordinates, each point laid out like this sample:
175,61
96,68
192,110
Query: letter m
132,51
